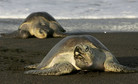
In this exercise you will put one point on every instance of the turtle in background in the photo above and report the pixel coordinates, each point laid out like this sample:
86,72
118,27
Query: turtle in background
38,24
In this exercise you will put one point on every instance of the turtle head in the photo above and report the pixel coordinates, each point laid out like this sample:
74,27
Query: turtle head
42,32
83,56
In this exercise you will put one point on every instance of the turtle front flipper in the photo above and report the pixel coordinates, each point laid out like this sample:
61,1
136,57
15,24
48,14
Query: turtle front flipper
116,67
57,69
32,66
59,34
17,34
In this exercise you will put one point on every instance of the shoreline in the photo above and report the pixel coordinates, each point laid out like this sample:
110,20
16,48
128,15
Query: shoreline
81,25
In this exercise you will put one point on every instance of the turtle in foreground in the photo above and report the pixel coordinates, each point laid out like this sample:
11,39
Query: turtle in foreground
40,25
78,52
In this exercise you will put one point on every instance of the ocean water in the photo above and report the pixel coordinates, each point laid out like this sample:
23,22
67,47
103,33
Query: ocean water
74,15
70,9
81,25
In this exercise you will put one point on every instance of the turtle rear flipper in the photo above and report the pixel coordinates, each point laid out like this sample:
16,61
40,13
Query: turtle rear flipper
9,35
57,69
112,65
16,34
115,67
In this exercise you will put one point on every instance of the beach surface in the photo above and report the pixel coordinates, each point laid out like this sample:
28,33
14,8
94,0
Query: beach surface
17,53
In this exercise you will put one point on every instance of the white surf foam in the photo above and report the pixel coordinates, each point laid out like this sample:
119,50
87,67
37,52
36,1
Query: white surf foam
70,9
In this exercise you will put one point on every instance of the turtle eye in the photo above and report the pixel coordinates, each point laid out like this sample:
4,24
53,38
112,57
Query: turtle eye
87,49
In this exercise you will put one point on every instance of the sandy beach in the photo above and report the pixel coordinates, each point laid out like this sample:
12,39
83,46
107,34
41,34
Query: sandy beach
17,53
113,22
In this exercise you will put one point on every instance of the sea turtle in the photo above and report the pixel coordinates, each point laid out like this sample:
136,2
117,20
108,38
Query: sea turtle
40,25
78,52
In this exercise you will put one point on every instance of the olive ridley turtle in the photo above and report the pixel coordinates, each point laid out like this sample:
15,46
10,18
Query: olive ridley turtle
78,52
40,25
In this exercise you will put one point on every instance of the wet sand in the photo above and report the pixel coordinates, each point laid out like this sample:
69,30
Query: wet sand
17,53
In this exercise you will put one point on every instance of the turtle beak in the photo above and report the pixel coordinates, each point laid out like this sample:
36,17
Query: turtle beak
46,30
77,50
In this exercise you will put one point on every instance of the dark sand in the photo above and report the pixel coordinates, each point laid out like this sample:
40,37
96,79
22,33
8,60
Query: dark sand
16,53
